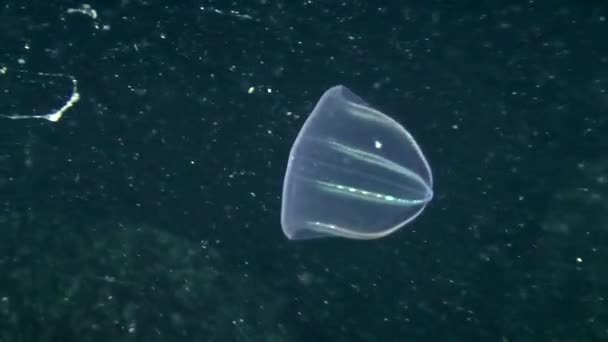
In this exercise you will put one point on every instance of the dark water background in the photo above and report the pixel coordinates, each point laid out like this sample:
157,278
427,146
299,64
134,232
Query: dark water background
150,212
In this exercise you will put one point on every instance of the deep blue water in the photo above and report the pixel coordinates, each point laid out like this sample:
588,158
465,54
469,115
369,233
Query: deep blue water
150,211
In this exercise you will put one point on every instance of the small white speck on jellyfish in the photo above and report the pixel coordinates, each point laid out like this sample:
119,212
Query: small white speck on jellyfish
19,87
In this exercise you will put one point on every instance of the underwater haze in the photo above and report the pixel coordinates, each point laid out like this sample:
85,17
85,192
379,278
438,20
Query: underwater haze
143,148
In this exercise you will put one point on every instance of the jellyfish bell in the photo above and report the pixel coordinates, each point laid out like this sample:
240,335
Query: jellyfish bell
352,172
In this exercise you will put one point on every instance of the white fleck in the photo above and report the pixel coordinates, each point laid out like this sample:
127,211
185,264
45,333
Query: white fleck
85,9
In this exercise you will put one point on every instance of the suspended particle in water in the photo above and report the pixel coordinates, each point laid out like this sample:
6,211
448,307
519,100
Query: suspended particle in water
25,94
